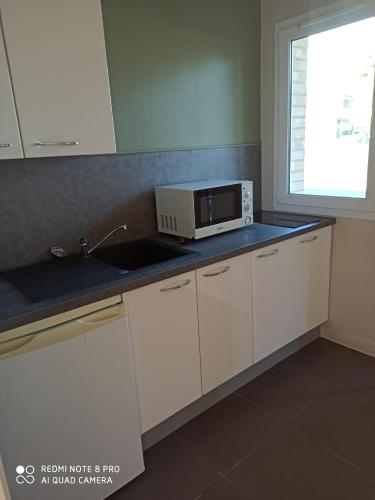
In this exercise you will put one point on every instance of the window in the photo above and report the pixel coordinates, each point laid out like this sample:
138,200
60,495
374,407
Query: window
325,99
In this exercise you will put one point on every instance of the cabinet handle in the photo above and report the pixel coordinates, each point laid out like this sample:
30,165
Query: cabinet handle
6,145
268,254
181,285
57,143
309,240
222,271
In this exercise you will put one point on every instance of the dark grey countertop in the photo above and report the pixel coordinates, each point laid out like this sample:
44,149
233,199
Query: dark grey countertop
16,309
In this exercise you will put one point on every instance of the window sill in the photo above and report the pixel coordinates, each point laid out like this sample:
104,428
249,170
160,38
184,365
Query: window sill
324,211
332,194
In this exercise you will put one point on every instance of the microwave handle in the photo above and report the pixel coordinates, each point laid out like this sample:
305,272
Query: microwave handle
210,209
209,206
206,195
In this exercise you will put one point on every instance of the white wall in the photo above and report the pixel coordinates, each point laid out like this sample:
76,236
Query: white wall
352,295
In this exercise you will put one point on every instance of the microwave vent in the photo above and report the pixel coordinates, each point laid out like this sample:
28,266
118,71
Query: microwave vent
168,222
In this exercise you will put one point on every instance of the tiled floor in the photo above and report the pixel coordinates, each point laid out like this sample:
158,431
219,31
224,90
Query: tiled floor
304,430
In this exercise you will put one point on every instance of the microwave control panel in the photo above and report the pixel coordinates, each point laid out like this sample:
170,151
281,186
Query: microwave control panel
247,202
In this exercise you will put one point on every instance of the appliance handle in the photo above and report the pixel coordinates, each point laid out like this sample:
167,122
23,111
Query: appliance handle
209,207
59,333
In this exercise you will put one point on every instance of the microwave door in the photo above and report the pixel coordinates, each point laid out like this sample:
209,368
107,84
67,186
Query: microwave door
203,208
218,205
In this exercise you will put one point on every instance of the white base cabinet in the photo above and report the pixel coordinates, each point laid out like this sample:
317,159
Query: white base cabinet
193,332
290,290
225,319
164,328
316,266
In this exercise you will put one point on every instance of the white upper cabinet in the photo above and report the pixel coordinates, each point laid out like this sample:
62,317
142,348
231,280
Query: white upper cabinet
10,142
291,288
225,319
58,64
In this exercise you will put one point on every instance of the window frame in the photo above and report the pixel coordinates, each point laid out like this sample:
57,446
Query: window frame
301,26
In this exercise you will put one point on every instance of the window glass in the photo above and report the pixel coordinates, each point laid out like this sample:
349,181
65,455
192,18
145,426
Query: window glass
331,96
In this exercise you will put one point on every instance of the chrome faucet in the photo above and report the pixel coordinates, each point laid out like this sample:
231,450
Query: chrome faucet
85,251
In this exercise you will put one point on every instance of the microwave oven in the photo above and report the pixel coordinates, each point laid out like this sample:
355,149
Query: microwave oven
198,209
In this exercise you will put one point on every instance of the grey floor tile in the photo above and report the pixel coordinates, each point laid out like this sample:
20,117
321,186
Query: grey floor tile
223,491
285,390
289,466
370,496
327,394
344,421
360,379
173,471
330,361
228,431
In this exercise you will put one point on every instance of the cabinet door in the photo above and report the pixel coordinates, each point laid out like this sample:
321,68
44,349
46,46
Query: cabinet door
291,287
10,142
58,63
277,297
314,251
164,328
225,319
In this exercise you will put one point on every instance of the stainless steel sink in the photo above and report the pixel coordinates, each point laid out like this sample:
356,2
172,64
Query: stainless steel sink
139,254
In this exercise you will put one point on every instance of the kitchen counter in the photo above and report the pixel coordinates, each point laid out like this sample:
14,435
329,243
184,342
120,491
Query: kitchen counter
16,309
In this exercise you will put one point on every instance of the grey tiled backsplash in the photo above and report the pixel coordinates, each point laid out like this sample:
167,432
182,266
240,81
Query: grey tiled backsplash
54,201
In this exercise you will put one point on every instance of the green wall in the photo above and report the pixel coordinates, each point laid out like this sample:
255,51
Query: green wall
183,73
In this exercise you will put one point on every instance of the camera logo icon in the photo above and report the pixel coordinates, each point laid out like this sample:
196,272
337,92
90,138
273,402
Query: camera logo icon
25,474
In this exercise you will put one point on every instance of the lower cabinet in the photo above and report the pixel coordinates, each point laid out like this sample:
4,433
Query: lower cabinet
164,327
314,251
197,330
225,319
290,290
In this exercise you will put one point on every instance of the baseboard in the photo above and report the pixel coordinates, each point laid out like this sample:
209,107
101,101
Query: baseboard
170,425
347,340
